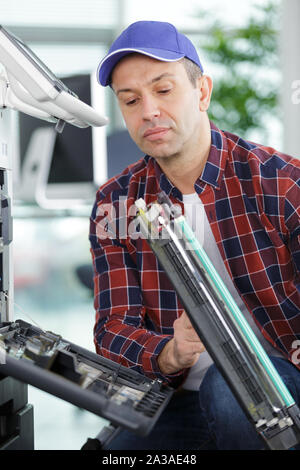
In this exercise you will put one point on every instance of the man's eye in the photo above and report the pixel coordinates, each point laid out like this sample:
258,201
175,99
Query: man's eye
165,91
131,102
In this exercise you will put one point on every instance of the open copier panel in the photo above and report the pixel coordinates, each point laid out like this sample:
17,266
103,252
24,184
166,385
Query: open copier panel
79,376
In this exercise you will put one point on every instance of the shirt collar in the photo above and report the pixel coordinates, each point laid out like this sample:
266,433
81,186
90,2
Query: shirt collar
215,165
213,171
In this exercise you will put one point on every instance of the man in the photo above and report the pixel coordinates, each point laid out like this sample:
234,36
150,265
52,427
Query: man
246,198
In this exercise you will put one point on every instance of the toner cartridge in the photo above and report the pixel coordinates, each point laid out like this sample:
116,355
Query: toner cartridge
220,325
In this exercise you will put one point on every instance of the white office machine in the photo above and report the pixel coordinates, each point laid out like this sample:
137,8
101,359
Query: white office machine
29,86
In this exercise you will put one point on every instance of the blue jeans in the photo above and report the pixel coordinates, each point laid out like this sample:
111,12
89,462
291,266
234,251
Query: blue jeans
210,419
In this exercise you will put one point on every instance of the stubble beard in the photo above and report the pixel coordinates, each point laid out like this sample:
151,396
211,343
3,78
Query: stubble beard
165,151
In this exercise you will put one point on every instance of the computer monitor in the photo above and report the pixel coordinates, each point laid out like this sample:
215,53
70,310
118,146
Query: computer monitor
121,152
62,170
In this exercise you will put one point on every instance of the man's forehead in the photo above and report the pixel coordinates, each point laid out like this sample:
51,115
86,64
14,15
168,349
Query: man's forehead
139,66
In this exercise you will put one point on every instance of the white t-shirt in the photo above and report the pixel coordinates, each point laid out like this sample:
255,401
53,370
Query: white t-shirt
196,217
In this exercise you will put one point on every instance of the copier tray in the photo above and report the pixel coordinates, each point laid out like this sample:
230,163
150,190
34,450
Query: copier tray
49,362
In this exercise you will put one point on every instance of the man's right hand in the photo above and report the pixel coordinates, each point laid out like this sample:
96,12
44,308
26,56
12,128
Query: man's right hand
183,350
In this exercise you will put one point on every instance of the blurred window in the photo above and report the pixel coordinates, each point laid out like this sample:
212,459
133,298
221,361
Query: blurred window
59,13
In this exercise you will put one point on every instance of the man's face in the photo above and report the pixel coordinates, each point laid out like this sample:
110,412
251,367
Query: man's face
160,106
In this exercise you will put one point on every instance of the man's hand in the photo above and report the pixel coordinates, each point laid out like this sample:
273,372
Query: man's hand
183,350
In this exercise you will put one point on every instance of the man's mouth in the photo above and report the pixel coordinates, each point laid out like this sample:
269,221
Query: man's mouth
156,133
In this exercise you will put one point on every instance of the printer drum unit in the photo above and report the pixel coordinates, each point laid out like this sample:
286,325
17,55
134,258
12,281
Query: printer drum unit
220,325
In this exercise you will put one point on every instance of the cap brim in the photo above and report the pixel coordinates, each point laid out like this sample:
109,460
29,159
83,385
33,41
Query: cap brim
109,62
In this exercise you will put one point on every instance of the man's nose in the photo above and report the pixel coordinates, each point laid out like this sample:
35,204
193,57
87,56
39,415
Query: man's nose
150,108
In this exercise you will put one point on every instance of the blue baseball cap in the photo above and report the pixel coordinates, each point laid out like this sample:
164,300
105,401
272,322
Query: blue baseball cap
155,39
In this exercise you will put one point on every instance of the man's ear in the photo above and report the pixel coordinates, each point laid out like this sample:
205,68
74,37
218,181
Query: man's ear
205,85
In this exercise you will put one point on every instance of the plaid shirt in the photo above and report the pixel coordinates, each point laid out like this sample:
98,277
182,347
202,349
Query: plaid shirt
251,196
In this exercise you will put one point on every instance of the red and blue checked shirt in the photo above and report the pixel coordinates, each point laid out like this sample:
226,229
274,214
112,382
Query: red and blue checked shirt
251,196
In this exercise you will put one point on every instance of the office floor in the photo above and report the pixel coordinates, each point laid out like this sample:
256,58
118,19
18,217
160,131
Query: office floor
48,293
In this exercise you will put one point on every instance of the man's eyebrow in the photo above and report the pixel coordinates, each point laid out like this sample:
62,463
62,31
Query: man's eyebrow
153,80
163,75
